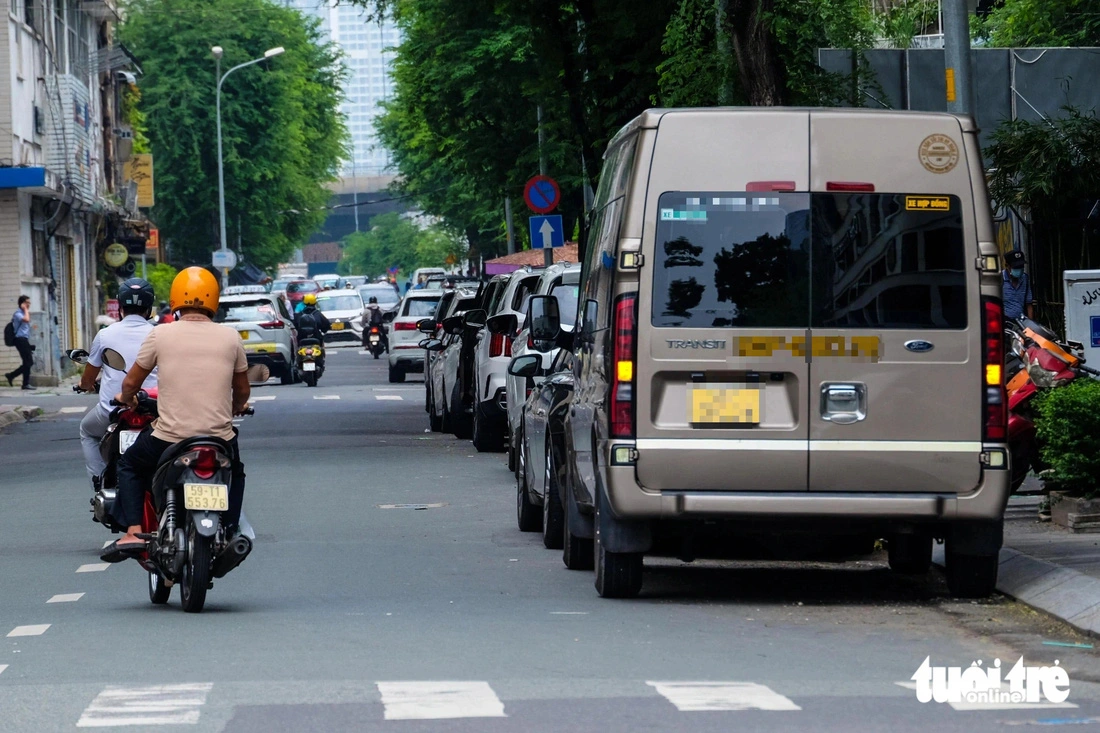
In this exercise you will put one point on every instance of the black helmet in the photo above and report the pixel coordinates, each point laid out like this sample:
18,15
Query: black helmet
373,300
136,293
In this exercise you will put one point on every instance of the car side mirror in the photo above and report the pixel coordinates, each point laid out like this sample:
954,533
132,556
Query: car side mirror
453,325
431,344
426,325
505,324
388,316
80,356
526,366
475,318
543,318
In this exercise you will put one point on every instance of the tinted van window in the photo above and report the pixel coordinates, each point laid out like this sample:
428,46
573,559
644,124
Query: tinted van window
732,260
888,261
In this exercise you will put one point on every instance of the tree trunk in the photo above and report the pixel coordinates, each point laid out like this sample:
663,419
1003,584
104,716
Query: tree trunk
758,62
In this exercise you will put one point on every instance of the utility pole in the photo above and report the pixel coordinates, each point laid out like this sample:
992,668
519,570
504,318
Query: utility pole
956,46
508,223
547,252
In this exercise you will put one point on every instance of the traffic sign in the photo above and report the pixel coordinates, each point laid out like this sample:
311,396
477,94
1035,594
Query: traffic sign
542,194
224,259
547,231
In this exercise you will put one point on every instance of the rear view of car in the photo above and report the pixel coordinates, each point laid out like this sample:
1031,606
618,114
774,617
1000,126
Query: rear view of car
384,292
266,329
406,356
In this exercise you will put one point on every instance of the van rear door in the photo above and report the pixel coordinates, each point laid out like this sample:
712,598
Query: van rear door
895,369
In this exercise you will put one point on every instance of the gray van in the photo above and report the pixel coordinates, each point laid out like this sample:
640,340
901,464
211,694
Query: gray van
790,326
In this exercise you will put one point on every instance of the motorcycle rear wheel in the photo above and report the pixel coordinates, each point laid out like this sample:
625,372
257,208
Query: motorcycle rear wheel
195,579
159,590
310,378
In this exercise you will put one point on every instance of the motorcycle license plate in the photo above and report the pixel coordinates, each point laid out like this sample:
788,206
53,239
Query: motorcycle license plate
309,366
338,326
208,497
373,339
127,438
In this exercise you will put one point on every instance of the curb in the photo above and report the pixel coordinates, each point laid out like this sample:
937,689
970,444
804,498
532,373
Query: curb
12,415
1066,594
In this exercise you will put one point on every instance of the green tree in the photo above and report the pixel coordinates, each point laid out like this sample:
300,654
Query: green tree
1042,23
283,135
395,241
161,276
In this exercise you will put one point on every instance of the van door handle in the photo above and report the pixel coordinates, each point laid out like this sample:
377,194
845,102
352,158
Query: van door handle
843,403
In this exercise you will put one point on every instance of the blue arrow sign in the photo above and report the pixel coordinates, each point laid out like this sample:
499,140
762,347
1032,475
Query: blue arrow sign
546,231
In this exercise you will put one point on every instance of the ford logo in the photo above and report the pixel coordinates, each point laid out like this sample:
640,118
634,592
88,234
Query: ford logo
919,346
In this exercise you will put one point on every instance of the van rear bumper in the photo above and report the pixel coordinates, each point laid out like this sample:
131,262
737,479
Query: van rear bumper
628,501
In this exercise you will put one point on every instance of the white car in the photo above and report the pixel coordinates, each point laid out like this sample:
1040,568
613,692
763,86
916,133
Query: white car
563,281
405,355
343,309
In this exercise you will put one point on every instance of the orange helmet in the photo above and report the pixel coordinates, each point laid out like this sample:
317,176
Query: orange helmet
194,287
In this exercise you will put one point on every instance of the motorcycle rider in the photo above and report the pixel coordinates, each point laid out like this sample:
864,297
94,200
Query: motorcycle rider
372,316
203,382
135,301
310,322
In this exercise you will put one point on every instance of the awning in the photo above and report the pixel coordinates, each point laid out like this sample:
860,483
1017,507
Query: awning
22,177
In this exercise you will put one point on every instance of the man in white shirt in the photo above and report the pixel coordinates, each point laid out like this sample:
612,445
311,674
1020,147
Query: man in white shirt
135,300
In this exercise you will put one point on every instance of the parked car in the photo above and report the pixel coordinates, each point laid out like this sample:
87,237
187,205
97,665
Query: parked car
343,309
266,329
445,282
561,281
541,454
451,398
432,329
755,349
405,355
297,289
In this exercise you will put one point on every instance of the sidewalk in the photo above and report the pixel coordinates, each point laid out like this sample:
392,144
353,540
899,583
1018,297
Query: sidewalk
18,405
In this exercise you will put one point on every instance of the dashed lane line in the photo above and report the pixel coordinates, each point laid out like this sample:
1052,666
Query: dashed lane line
96,567
2,668
388,397
263,398
65,598
29,630
146,706
721,696
73,410
326,396
424,700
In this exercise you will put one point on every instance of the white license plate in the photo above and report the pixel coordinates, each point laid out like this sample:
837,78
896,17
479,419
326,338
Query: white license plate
127,438
309,366
374,339
206,497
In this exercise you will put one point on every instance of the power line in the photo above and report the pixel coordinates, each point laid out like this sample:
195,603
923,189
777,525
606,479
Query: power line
363,203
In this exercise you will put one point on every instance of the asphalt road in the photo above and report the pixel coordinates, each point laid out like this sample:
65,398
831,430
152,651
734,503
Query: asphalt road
354,613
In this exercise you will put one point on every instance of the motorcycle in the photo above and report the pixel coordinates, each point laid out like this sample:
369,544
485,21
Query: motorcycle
311,361
182,519
1034,361
374,341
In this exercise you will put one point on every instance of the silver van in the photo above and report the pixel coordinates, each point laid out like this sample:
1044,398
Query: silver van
790,327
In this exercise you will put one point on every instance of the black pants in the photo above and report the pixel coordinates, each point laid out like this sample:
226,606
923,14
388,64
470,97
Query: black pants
26,353
135,477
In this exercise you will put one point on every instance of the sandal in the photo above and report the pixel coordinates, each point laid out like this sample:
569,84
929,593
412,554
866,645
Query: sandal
115,552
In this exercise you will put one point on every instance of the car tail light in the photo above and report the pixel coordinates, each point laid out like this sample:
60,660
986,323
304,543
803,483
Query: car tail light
500,345
856,186
205,463
993,359
530,341
623,347
782,186
273,324
404,326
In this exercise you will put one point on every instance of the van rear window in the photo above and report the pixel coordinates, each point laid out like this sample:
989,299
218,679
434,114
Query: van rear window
794,260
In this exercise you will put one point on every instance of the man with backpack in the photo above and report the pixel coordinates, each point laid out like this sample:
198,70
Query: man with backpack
17,333
310,322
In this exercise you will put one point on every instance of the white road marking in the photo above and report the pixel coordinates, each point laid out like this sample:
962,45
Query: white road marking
715,696
263,398
326,396
94,567
388,397
65,598
569,613
424,700
73,410
2,668
30,630
160,705
968,706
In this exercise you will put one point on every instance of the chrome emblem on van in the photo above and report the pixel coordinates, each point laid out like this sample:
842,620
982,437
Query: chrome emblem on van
696,343
919,346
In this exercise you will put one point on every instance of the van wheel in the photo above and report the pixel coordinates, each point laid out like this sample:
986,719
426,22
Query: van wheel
487,437
396,375
528,516
618,574
910,554
553,517
971,576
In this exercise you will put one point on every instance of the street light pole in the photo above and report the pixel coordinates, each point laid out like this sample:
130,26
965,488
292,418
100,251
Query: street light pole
218,53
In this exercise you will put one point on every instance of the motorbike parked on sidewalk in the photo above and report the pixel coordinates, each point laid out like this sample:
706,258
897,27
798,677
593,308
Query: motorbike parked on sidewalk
1035,361
311,361
374,341
188,544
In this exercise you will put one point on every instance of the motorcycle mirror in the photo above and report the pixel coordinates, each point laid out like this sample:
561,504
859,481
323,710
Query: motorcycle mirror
80,356
114,360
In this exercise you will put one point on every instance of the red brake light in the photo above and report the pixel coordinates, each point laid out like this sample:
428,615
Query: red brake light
500,345
756,186
134,420
850,186
623,327
404,326
206,463
993,359
273,324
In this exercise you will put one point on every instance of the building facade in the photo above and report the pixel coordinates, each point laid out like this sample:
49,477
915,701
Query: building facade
63,196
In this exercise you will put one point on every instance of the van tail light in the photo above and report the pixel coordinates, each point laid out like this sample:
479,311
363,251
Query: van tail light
855,186
404,326
994,400
205,463
500,345
273,324
623,353
759,186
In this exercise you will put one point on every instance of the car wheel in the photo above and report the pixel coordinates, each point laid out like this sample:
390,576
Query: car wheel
576,552
287,377
461,424
910,554
528,516
487,437
396,375
971,576
618,574
553,517
445,418
435,422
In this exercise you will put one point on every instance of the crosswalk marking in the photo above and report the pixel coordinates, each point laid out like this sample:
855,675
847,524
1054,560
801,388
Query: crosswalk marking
439,700
326,396
2,668
388,397
65,598
159,705
95,567
73,410
719,696
29,630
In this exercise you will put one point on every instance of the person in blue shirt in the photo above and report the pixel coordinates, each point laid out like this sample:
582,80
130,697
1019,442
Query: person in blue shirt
1016,287
21,323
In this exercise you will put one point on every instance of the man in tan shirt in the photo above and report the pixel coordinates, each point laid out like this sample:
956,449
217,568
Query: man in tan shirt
202,383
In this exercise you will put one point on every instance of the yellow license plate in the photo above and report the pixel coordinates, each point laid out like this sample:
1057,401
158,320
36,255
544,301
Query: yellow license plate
338,326
206,497
244,335
720,405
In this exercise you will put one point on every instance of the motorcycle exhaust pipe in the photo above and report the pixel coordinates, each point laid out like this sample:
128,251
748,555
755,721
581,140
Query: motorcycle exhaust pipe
232,556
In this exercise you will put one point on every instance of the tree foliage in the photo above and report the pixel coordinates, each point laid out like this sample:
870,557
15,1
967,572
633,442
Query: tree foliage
1042,23
283,136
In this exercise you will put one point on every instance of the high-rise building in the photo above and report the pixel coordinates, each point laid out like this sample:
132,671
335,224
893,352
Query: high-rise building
365,44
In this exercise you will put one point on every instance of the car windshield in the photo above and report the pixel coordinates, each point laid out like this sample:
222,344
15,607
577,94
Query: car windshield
385,294
340,303
254,311
280,284
303,286
420,307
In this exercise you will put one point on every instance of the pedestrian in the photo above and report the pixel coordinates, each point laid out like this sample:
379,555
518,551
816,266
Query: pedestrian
1016,287
21,325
